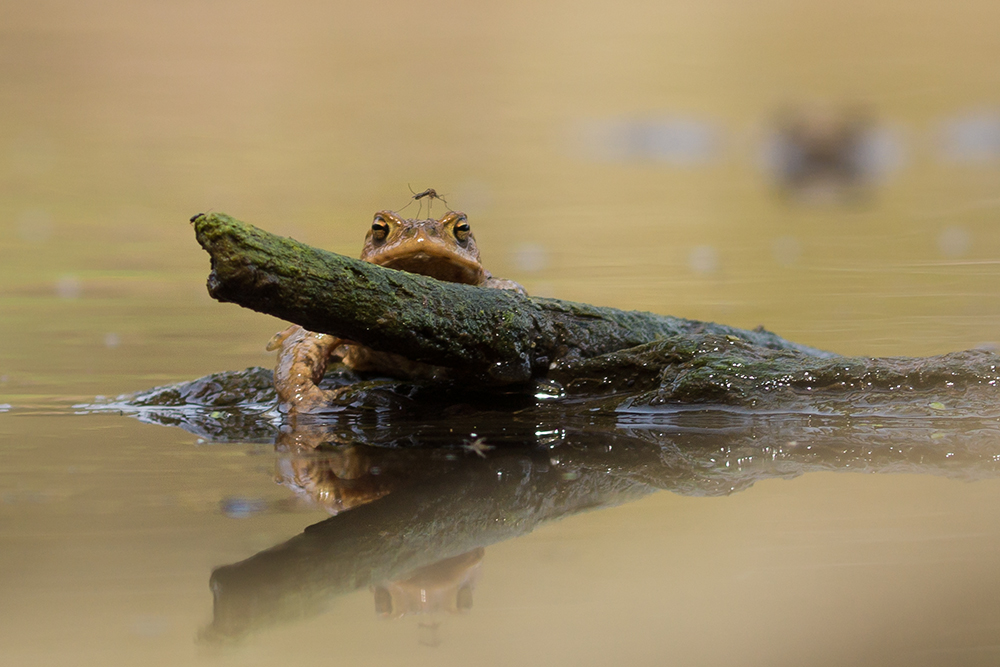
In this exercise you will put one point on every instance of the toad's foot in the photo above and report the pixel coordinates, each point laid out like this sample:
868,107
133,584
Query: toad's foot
302,360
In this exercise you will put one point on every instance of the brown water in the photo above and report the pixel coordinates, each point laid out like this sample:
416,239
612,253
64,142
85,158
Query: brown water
613,154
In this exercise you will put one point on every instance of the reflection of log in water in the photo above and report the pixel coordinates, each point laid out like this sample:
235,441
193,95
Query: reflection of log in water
481,502
566,470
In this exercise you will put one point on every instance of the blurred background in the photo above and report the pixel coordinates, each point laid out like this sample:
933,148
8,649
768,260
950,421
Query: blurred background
828,170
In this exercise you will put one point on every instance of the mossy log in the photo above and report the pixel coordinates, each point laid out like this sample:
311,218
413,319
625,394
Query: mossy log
492,337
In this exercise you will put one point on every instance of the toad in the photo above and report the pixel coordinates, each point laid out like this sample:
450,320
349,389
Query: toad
444,249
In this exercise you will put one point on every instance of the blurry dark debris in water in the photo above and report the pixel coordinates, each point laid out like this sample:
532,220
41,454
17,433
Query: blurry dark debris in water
832,154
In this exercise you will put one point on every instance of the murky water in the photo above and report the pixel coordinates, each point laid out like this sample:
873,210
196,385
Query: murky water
830,172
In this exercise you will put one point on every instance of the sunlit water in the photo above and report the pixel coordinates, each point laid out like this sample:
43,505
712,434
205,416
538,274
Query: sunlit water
622,156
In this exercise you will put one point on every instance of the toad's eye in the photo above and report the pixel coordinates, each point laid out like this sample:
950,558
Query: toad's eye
462,230
380,229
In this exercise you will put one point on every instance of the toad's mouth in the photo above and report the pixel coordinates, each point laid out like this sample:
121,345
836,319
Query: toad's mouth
440,264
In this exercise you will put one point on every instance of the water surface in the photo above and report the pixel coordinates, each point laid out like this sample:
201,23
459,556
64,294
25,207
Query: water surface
617,156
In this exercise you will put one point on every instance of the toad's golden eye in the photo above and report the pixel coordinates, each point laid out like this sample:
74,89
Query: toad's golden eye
462,230
380,229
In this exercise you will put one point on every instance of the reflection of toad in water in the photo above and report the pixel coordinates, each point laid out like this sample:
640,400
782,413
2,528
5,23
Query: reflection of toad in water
338,478
442,586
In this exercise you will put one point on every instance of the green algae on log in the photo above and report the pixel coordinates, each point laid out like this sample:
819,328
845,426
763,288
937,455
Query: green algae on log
727,371
495,337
